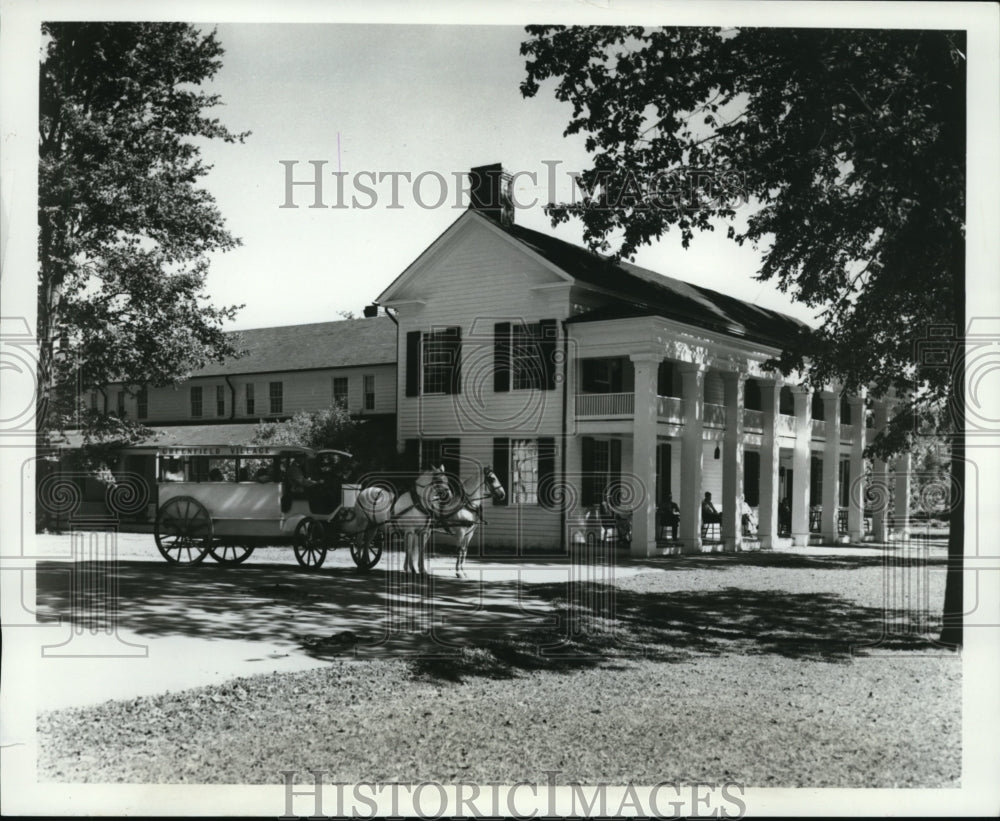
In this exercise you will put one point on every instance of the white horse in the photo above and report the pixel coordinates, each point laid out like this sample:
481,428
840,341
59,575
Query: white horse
411,513
464,512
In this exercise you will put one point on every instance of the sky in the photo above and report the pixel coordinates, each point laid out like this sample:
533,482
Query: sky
431,99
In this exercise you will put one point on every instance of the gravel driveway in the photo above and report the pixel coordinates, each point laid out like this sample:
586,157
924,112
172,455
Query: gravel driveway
773,669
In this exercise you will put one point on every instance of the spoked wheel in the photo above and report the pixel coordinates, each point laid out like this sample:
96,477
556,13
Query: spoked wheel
183,531
366,556
310,543
230,553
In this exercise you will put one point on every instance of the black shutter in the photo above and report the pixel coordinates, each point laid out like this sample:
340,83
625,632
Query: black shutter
548,335
501,357
587,376
501,465
451,458
455,350
614,482
547,472
411,455
587,464
413,363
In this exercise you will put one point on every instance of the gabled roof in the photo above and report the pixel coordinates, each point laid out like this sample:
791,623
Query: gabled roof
343,344
641,292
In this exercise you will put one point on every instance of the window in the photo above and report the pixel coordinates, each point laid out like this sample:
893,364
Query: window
430,453
340,391
93,400
196,401
526,359
220,400
786,402
526,469
142,403
845,411
609,375
369,391
524,355
818,408
440,360
249,399
602,467
276,396
121,403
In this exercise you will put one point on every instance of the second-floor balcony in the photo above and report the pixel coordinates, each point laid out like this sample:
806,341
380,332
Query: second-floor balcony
671,410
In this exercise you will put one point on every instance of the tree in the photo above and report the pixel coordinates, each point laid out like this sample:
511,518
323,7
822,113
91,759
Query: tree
124,230
847,149
370,443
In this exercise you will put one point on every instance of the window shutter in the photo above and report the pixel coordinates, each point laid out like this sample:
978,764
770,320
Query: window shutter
547,337
413,363
411,455
587,463
501,465
501,357
451,456
616,460
455,349
547,473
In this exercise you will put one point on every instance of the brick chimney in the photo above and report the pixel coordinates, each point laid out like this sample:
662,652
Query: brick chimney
490,193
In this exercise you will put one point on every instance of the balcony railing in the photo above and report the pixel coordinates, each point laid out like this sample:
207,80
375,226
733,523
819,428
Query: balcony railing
715,415
753,420
605,405
670,409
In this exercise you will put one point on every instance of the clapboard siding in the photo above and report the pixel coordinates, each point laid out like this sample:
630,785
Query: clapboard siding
478,280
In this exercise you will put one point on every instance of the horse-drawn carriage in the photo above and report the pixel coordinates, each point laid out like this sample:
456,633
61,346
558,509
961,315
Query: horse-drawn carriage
224,501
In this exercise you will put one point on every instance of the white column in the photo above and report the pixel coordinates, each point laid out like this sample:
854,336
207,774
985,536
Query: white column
831,466
692,453
734,385
800,465
644,455
856,497
767,513
901,500
880,477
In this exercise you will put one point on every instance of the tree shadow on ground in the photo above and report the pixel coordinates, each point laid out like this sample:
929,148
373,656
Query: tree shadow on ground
449,629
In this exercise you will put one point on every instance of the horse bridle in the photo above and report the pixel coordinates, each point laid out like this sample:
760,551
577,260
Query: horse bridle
468,502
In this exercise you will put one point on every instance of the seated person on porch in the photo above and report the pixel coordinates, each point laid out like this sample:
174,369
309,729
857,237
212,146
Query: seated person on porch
749,519
671,516
709,515
784,517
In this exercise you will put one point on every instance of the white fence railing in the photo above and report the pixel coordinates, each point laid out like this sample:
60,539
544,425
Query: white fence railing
847,433
753,420
715,415
670,409
786,425
605,404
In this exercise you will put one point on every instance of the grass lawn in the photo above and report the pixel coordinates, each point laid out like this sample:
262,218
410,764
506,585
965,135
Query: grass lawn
812,668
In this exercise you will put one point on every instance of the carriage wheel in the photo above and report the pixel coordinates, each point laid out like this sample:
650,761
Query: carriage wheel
310,543
230,553
367,556
183,531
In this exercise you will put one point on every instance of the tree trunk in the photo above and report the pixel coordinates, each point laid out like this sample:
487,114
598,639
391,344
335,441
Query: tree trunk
954,605
951,631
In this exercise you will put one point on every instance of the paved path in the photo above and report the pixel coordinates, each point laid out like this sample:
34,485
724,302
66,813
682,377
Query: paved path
179,628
